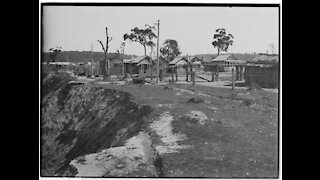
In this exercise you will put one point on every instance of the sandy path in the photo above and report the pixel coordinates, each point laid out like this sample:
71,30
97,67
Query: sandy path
163,127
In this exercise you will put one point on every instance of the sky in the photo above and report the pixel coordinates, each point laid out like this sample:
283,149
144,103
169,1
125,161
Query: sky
75,28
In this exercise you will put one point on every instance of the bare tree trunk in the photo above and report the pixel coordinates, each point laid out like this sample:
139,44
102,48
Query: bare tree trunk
106,64
145,50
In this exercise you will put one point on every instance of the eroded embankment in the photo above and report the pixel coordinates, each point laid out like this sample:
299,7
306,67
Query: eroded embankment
77,120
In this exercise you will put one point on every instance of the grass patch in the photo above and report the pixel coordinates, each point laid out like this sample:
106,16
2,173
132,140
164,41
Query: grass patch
248,102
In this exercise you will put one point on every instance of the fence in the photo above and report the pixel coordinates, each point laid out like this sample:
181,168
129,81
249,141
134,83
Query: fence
266,77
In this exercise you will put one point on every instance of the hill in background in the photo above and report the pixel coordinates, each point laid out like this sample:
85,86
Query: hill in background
83,56
86,56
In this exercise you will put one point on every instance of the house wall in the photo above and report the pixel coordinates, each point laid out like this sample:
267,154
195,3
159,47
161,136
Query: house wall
116,69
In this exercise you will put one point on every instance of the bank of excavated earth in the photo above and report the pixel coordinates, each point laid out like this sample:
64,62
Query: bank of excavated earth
95,129
77,120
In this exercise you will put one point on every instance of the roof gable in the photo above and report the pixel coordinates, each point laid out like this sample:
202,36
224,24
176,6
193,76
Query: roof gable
140,58
265,57
177,59
194,59
225,57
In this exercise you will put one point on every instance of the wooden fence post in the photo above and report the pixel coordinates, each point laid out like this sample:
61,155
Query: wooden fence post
232,78
237,73
217,72
123,73
176,73
193,77
241,72
187,73
161,75
172,74
212,73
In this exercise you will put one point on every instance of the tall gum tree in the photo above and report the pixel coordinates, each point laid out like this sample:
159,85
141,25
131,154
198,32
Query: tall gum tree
142,36
222,40
170,49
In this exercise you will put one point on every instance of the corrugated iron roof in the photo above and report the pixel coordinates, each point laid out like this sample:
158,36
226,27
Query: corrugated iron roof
224,57
177,59
140,58
127,60
266,57
194,58
205,58
144,61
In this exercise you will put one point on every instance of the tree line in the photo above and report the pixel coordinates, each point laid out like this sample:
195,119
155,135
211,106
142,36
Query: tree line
82,56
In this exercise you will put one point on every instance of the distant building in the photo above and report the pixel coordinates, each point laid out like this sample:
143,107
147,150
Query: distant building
264,60
163,62
206,62
138,65
263,70
227,62
62,63
196,62
179,63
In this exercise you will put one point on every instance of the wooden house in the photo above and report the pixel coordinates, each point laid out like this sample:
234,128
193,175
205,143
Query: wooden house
196,62
139,65
179,62
226,62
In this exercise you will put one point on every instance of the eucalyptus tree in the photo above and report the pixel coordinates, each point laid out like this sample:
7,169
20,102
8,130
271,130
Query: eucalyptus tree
222,40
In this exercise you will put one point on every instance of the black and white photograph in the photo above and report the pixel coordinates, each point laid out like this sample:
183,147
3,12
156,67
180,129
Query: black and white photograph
160,90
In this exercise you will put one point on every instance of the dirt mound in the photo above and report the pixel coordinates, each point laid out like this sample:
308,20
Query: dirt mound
195,117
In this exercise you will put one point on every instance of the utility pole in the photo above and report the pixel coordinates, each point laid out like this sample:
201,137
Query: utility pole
122,56
158,51
91,59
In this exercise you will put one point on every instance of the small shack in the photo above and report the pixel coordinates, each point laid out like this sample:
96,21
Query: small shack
206,62
139,65
226,62
179,62
196,62
116,66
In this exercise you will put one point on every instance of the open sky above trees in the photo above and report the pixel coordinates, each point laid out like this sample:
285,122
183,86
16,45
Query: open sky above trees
76,27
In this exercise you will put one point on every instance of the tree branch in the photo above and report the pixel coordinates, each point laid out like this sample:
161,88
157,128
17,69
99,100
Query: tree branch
102,45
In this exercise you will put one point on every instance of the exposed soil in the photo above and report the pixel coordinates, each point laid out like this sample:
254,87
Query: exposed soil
78,120
113,130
